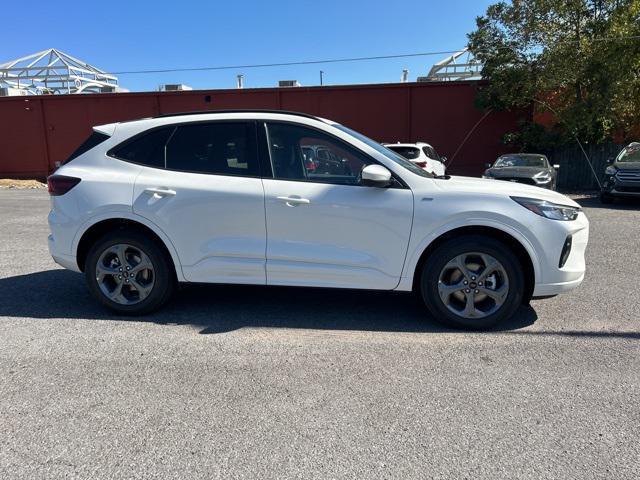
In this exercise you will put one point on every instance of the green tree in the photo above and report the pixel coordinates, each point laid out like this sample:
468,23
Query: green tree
579,59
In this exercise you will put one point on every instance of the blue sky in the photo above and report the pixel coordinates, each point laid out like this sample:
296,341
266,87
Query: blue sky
137,35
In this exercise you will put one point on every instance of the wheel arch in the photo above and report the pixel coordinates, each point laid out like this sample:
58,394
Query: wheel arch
517,246
91,232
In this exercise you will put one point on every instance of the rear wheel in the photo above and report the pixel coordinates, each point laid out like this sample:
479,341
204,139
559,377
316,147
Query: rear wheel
472,282
129,273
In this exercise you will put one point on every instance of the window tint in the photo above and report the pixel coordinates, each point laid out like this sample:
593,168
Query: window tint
147,149
223,148
300,153
96,138
407,152
430,152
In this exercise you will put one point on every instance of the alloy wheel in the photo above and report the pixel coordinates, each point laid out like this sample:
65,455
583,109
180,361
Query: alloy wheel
125,274
473,285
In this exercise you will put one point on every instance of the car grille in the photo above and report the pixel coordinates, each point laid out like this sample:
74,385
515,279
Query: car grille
528,181
624,176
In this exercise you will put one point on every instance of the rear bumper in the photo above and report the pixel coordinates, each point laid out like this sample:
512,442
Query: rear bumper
62,259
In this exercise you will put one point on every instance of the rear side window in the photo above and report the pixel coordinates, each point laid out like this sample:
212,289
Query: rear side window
222,148
407,152
147,149
430,152
96,138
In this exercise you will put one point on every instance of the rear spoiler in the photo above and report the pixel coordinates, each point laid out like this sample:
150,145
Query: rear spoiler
107,129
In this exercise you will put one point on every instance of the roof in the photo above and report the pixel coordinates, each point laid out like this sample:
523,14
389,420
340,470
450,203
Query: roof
416,144
202,112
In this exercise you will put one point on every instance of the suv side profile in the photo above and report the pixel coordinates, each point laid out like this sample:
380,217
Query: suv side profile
228,197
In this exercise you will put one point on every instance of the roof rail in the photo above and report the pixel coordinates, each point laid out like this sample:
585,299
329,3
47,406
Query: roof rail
246,110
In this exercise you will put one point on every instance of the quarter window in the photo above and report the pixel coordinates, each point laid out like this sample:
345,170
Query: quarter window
223,148
147,149
300,153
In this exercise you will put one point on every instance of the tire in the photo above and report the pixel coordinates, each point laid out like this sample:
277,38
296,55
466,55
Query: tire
439,277
605,198
156,283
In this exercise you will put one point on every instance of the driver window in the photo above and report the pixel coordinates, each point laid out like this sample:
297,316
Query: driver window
305,154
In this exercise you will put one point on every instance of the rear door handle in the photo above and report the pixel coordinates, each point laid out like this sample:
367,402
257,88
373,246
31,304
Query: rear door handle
163,192
294,201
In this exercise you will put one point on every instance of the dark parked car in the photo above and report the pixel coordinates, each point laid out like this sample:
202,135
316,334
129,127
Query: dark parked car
319,159
529,168
622,176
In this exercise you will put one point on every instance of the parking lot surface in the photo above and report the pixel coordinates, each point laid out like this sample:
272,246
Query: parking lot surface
248,382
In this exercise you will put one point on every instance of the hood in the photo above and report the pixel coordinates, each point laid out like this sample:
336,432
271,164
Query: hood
527,172
634,166
493,187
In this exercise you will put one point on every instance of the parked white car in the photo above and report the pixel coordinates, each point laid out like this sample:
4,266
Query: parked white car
228,197
422,154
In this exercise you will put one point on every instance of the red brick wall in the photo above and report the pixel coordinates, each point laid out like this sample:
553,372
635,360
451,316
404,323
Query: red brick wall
37,131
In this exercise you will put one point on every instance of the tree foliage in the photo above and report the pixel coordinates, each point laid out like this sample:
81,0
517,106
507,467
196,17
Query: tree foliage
579,59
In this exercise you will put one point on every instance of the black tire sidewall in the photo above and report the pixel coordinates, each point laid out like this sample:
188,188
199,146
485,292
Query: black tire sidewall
472,243
164,280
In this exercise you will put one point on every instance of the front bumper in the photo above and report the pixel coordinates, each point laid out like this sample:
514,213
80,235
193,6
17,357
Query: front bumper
525,181
615,186
556,279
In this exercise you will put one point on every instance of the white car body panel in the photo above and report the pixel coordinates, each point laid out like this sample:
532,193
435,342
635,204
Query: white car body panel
345,236
236,229
227,242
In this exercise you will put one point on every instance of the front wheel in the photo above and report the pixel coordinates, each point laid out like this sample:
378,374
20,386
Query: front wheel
472,282
129,273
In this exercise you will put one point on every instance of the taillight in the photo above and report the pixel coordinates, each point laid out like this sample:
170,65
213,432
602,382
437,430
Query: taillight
61,184
422,164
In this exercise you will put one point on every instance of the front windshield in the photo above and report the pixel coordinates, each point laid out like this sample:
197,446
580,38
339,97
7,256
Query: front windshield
630,153
521,161
390,154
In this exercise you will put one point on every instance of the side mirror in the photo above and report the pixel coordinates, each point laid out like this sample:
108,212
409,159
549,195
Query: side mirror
610,160
487,165
556,166
375,176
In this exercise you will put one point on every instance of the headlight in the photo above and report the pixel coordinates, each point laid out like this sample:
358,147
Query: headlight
610,170
548,209
542,177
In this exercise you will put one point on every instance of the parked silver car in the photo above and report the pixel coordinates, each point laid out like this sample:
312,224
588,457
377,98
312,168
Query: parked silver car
529,168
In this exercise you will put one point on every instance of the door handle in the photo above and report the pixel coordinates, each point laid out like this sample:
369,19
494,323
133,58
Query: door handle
163,192
294,201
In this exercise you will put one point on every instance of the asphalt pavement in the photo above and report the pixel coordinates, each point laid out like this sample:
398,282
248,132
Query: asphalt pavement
259,382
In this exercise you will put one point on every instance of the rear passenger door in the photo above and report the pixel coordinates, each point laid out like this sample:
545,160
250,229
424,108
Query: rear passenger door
201,185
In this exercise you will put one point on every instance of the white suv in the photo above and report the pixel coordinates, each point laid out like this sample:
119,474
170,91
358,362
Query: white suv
228,197
421,154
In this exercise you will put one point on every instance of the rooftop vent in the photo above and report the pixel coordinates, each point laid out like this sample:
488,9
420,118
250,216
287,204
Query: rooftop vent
174,87
288,83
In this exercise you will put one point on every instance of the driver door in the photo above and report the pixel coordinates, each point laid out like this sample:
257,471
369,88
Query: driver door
325,229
